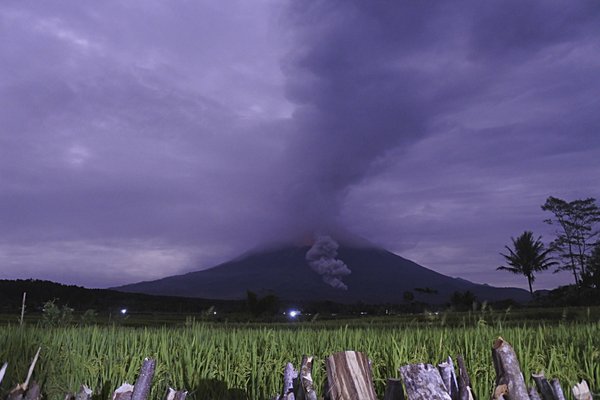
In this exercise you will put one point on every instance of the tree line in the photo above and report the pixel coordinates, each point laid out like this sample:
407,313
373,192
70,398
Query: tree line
576,247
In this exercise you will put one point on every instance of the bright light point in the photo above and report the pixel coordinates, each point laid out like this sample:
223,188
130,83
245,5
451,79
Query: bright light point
294,313
214,313
123,311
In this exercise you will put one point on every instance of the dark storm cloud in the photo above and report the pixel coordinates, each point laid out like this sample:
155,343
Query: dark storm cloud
437,127
143,139
135,137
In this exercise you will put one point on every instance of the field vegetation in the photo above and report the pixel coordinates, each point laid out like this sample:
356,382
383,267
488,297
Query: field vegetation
245,360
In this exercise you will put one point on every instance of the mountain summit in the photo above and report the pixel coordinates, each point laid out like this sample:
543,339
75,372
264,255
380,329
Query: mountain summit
348,274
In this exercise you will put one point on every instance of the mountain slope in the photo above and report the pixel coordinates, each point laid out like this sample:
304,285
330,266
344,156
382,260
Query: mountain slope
378,276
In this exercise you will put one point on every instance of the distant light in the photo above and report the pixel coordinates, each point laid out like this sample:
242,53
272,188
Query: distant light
214,313
293,313
123,311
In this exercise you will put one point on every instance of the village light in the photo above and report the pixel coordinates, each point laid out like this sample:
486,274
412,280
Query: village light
123,311
293,313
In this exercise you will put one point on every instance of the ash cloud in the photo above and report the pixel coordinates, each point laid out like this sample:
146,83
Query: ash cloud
322,258
370,80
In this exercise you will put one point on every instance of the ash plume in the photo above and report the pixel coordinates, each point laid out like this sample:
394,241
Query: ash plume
321,257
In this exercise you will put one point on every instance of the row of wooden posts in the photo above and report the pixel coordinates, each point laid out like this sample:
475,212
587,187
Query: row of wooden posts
349,377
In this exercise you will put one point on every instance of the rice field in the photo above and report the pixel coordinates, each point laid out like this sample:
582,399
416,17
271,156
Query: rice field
221,361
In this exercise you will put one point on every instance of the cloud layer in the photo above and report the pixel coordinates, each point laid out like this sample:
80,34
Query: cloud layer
145,139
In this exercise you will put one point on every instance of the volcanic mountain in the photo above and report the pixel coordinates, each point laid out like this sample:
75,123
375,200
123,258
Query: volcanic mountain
376,276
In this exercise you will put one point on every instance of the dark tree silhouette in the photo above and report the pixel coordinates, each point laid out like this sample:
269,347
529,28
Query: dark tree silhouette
527,257
576,232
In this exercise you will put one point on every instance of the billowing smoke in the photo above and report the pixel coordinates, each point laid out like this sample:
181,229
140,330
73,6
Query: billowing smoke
322,259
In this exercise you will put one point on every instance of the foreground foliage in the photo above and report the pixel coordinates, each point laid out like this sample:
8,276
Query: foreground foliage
221,361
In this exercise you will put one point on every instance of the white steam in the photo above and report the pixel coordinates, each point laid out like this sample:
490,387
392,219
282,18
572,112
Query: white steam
322,259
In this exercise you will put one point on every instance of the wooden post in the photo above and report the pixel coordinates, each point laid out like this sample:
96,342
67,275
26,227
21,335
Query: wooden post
289,375
557,389
543,386
306,390
465,390
448,375
141,389
393,390
349,376
581,391
508,370
31,368
423,381
23,309
123,392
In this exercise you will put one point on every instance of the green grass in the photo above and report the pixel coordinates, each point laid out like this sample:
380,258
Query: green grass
246,360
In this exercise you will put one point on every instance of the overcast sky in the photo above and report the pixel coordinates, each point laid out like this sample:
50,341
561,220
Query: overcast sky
141,139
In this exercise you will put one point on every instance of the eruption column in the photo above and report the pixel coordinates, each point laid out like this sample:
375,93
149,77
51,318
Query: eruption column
322,259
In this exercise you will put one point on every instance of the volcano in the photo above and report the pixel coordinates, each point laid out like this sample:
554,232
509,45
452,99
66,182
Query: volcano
377,276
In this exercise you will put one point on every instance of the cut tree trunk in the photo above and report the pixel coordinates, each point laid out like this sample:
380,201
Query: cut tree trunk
581,391
349,376
423,381
543,386
465,389
142,386
123,392
508,371
306,390
448,375
289,375
557,389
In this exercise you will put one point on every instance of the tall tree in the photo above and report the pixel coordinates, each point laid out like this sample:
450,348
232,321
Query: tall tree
527,257
575,222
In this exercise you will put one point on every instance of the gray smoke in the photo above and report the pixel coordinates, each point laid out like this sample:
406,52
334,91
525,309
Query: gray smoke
322,259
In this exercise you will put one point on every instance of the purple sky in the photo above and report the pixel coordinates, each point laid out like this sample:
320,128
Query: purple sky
142,139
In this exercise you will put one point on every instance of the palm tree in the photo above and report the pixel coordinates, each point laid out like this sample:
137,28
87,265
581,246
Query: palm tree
528,257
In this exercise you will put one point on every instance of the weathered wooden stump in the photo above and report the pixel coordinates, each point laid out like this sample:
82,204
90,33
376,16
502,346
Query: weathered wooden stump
306,390
509,378
448,374
123,392
423,381
558,392
349,377
581,391
543,386
142,386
